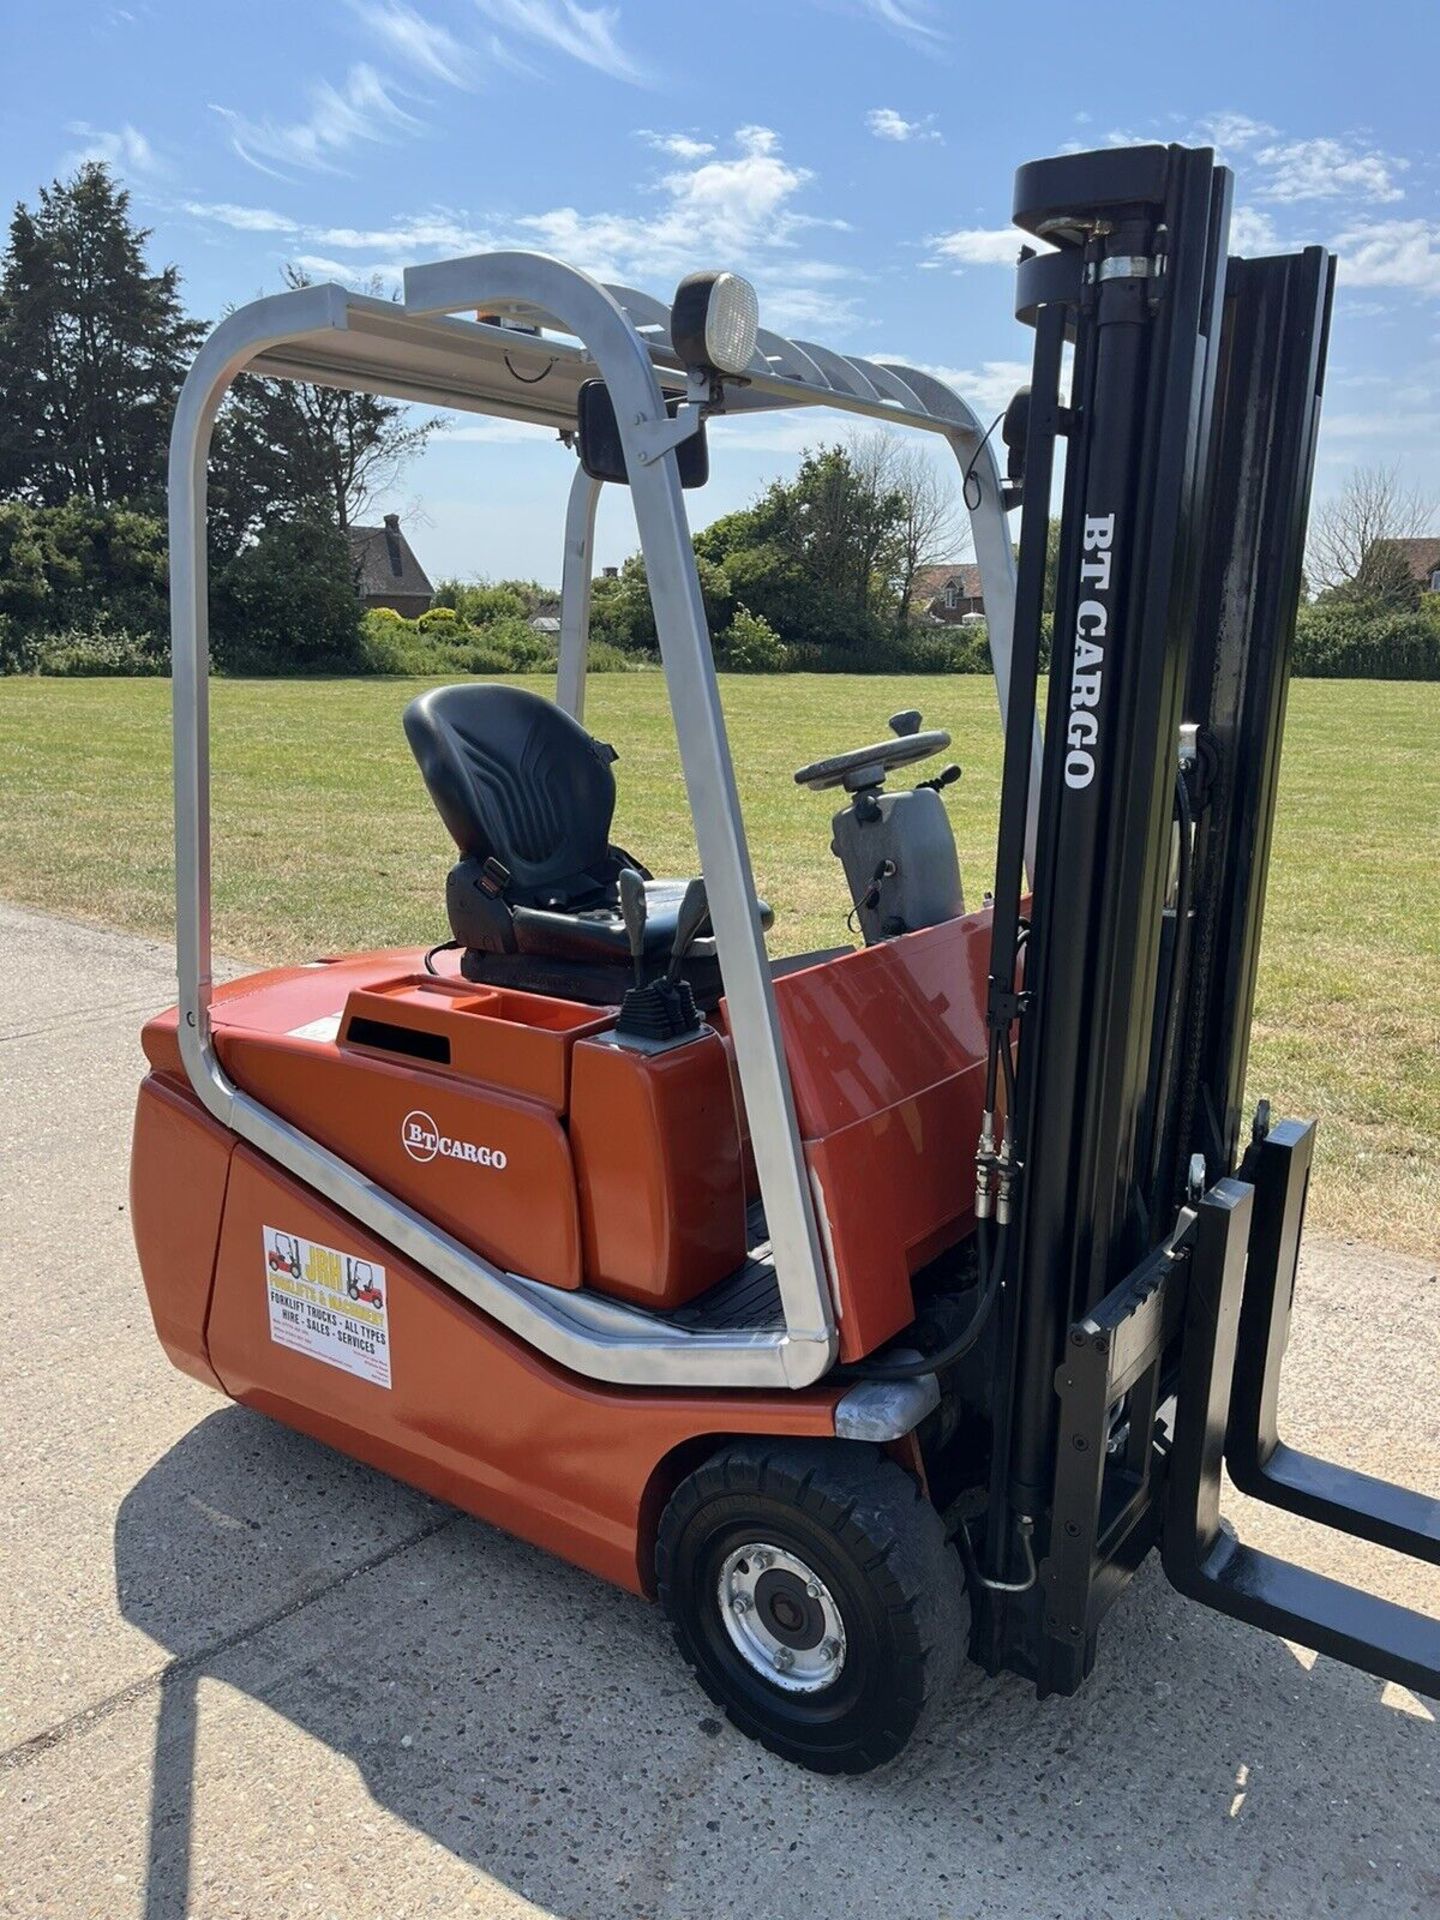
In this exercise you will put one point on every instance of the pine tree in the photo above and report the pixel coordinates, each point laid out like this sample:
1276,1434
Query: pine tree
93,349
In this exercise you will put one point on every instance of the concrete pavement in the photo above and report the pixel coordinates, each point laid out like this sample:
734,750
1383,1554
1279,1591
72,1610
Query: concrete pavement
242,1675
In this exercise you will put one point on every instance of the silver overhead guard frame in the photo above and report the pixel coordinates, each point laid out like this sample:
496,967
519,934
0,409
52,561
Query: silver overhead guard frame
417,352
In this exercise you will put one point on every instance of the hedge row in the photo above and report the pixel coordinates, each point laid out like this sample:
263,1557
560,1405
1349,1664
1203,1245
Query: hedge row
1350,640
440,642
1334,641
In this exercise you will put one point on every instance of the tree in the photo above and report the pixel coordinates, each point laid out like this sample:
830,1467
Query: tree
287,603
1350,534
74,565
284,449
93,349
924,504
819,558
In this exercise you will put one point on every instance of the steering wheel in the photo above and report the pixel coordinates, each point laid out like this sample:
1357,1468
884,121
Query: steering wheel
868,766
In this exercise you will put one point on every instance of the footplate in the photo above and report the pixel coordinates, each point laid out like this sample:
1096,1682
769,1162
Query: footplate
1240,1281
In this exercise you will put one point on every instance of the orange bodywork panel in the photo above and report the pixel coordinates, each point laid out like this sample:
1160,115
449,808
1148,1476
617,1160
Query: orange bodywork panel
657,1152
471,1415
489,1164
402,1126
179,1164
886,1047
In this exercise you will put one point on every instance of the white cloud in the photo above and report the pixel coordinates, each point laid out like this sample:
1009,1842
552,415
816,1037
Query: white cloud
681,146
421,233
321,268
242,219
436,232
362,108
988,388
726,210
587,34
1328,169
886,124
1386,426
126,149
365,107
498,432
384,278
737,210
978,246
431,49
912,18
773,434
1252,231
1390,253
1232,132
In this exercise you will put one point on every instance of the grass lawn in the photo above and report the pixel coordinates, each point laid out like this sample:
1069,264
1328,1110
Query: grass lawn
325,841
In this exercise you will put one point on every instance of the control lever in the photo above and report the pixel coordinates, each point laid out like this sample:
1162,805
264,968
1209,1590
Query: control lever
946,777
662,1011
694,912
633,913
906,723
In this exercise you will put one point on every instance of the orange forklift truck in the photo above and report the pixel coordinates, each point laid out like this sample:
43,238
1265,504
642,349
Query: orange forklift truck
870,1307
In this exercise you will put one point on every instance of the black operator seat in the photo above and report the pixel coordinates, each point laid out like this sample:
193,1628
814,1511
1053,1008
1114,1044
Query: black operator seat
528,797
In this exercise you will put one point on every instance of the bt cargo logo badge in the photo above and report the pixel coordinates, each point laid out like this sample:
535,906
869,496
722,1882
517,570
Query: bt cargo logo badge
423,1140
1092,622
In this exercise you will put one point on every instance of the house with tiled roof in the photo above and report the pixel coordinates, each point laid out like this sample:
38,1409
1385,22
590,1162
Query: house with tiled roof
387,574
1421,557
948,594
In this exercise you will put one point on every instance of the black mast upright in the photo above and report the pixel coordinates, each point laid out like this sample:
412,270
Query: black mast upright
1142,234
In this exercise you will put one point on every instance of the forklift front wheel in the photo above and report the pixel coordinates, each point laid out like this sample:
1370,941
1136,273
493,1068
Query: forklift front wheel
811,1587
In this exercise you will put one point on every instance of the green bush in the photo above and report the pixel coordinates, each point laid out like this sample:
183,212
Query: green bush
477,602
751,645
943,650
439,617
381,613
287,604
484,658
526,650
1354,639
388,646
79,565
83,651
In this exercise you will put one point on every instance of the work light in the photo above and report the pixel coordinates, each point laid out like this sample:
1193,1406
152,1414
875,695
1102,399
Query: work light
713,322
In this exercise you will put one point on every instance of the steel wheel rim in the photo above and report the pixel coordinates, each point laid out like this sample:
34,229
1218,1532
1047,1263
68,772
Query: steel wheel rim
781,1618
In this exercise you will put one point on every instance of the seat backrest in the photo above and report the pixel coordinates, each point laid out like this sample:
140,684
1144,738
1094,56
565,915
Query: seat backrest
515,778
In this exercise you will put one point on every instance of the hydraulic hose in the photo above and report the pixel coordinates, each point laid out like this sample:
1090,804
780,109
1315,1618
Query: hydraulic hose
911,1366
1174,994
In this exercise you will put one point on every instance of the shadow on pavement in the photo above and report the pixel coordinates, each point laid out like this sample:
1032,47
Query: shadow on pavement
539,1726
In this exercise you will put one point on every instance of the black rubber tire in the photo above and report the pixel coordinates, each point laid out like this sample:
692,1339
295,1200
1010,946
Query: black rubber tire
867,1529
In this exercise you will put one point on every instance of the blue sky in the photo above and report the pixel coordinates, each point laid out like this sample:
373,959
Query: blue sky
853,157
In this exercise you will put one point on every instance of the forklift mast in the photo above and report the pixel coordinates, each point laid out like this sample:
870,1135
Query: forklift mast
1147,1250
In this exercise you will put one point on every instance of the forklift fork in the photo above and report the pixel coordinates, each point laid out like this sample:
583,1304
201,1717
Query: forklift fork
1258,1460
1237,1316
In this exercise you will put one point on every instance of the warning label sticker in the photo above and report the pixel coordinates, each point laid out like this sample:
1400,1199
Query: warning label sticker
329,1305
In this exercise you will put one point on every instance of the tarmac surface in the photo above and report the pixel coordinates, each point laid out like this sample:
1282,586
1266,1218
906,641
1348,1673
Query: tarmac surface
240,1675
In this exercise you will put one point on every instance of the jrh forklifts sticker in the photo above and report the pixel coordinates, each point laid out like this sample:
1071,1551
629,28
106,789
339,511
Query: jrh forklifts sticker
334,1309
